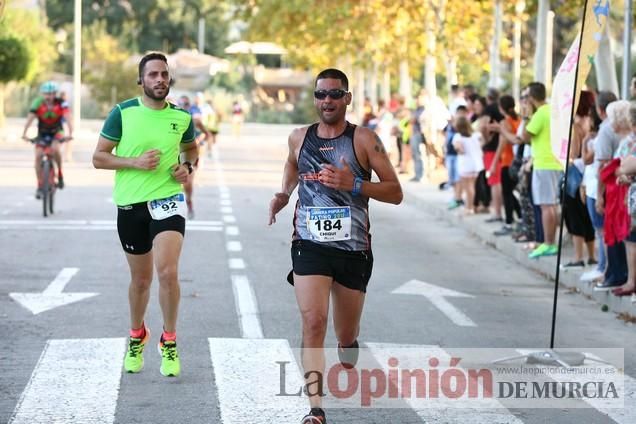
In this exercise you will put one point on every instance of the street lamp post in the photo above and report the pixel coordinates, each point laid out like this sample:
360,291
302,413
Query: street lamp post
516,71
627,50
77,65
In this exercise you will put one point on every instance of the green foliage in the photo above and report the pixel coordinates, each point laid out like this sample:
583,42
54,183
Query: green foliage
145,25
105,69
38,39
14,59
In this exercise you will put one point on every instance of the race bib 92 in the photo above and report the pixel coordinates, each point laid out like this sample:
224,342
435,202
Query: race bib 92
329,224
170,206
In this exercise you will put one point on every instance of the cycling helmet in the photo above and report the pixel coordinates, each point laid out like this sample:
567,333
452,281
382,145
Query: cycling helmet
48,87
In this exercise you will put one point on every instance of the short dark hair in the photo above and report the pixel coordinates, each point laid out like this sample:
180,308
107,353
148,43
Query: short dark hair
537,91
335,74
492,94
454,88
507,104
604,98
462,108
147,58
586,103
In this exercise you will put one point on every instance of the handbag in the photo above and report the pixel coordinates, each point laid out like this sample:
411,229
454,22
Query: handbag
574,180
515,167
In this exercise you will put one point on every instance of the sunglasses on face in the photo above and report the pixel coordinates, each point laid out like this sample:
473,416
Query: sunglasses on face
334,94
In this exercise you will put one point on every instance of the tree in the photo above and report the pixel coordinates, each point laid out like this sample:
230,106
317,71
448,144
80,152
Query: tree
14,65
104,69
145,25
38,39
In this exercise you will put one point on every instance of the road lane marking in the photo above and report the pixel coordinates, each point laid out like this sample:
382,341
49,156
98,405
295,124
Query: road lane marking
52,297
75,381
234,246
236,263
443,410
226,210
232,230
246,308
437,296
247,375
624,415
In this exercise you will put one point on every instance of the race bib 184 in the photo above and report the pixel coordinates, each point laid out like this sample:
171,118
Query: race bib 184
329,224
170,206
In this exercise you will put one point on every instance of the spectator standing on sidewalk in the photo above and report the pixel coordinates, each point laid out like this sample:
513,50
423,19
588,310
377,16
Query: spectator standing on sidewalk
590,189
470,160
619,116
547,171
605,148
479,122
577,220
450,159
503,159
492,167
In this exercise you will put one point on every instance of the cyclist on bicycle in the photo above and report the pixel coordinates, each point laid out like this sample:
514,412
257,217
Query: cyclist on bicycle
50,111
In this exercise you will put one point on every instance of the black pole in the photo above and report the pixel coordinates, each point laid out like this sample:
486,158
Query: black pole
565,183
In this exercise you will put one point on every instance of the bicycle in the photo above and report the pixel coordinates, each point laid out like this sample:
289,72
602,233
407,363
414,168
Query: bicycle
49,172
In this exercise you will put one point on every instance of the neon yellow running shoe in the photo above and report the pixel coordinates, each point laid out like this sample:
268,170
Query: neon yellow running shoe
134,361
170,363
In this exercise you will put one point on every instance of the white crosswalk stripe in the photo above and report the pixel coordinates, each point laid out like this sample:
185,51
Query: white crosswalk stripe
440,410
75,381
247,377
624,415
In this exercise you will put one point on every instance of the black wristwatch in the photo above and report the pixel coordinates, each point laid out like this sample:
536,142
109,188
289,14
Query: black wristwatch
189,165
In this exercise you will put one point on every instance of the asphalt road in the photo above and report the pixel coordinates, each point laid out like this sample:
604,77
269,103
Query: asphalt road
238,312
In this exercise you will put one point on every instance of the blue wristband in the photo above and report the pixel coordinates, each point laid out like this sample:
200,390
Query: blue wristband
357,186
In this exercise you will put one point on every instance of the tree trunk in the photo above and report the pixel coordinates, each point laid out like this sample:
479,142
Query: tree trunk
627,52
451,74
372,86
495,64
359,95
604,64
386,86
2,118
430,61
541,50
405,81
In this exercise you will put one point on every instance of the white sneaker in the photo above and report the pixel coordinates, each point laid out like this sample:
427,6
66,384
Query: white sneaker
591,275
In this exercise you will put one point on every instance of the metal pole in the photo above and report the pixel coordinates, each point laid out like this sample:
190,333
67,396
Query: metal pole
516,69
548,53
495,65
201,43
627,50
77,65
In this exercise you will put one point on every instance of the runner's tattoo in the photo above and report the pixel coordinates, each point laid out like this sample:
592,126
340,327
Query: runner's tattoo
379,146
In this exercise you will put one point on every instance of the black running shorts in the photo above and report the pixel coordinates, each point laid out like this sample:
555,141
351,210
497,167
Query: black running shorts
137,229
351,269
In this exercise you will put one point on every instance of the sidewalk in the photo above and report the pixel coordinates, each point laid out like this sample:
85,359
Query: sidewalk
430,199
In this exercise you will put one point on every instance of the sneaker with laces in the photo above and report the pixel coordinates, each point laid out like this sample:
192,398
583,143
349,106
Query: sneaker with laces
134,361
315,416
543,250
170,363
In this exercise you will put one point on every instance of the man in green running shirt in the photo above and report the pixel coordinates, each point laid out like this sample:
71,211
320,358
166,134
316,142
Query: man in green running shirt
153,156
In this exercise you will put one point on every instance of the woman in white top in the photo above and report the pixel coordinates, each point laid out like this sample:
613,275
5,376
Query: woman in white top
469,159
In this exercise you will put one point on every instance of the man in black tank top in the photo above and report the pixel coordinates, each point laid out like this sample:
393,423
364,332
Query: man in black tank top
331,163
